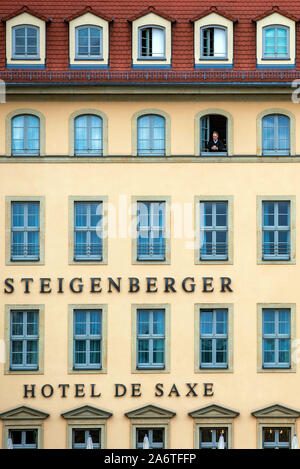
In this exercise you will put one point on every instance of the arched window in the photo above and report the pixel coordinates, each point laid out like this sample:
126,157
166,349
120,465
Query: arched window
25,42
151,42
88,135
276,42
25,135
276,135
151,138
213,135
89,42
213,42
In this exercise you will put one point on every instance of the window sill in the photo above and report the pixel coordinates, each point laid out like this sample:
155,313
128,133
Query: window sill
276,262
213,370
88,371
150,370
213,153
277,370
24,372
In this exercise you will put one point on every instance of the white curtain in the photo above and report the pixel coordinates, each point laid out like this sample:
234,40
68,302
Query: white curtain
219,42
158,42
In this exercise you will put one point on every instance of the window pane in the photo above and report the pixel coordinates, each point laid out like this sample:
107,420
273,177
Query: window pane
80,322
158,322
158,351
206,322
269,322
143,322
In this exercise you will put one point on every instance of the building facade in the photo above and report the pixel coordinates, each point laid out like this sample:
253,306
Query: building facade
148,267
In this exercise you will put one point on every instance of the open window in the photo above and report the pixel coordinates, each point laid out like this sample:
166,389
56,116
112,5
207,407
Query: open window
151,39
214,42
151,42
214,135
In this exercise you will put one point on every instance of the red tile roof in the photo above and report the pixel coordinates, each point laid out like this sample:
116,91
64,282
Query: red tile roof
88,9
214,9
276,9
151,9
25,9
120,29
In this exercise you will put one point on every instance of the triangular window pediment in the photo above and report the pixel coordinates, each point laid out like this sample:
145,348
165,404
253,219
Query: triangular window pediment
86,412
214,411
23,413
150,412
276,411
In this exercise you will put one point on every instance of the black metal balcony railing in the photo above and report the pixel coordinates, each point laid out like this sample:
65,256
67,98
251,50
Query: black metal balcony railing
148,76
150,250
88,251
276,249
214,250
25,251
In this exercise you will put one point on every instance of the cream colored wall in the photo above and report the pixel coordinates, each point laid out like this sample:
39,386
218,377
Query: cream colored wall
244,390
182,114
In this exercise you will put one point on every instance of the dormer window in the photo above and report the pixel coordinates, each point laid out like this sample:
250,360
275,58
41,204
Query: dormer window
275,39
213,42
151,39
88,42
151,42
26,39
25,42
88,39
276,42
213,39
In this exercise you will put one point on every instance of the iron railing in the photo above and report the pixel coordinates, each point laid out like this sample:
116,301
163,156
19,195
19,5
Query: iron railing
148,76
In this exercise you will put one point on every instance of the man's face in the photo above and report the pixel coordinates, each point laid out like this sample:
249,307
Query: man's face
215,136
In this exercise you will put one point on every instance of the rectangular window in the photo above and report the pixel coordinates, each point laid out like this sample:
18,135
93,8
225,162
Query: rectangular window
214,230
151,240
214,43
83,438
152,43
25,231
276,42
276,230
211,438
150,339
276,438
276,338
88,231
25,42
214,338
87,339
24,439
154,437
24,340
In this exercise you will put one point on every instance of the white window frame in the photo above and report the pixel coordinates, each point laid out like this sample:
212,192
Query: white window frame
276,229
150,338
89,56
214,228
88,229
151,57
276,337
87,338
25,56
276,56
25,229
213,57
